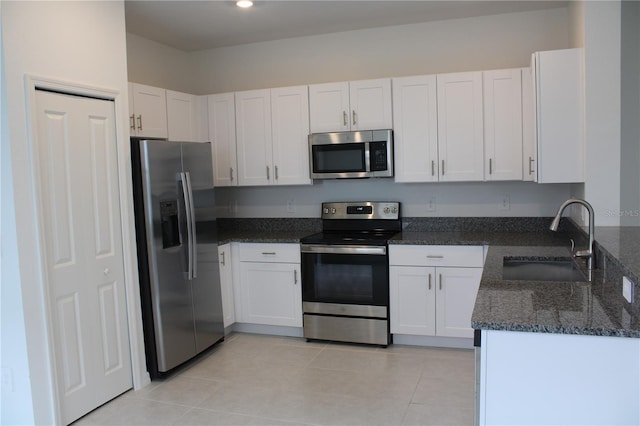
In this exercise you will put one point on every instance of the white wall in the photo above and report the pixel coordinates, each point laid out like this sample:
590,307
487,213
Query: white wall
477,199
81,42
499,41
602,109
630,111
158,65
16,406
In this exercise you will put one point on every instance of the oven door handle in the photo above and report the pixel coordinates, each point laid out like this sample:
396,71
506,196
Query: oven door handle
322,249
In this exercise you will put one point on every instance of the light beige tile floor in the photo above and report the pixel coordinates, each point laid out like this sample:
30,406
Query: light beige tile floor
268,380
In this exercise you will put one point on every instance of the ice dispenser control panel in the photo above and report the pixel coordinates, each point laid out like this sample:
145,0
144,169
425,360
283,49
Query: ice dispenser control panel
170,225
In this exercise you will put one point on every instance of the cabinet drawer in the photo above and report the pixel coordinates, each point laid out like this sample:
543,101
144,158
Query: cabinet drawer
464,256
264,252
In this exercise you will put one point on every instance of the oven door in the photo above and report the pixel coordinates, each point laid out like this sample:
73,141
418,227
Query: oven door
337,274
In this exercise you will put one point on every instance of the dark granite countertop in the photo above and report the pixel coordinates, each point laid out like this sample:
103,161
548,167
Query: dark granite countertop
593,308
261,236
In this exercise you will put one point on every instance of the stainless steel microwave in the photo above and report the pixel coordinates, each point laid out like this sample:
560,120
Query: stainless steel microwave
341,155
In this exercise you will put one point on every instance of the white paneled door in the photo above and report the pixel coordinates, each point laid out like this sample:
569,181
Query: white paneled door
82,250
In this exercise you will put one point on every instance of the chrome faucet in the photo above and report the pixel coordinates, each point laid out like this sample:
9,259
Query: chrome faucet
588,253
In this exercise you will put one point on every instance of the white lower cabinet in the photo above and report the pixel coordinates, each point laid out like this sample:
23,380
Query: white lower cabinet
270,287
432,289
226,284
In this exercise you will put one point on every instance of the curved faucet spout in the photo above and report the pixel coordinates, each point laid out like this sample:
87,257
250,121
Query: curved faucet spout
588,253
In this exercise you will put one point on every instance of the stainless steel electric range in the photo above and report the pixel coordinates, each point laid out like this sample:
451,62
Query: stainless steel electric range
345,273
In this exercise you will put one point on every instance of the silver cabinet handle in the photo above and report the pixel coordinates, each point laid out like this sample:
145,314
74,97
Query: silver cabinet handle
344,118
435,256
530,163
433,168
223,262
132,122
139,122
269,253
442,167
268,174
429,281
353,115
295,276
440,280
231,173
490,166
276,171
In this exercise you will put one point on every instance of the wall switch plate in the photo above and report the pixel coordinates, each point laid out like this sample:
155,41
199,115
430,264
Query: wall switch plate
627,289
431,204
506,203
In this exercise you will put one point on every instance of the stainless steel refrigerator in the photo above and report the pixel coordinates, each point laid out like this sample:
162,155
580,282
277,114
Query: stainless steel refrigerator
177,251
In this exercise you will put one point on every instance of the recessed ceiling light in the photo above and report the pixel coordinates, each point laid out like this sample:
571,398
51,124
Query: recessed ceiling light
244,3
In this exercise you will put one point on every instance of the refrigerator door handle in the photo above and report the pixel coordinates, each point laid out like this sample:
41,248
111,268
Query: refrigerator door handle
186,194
192,229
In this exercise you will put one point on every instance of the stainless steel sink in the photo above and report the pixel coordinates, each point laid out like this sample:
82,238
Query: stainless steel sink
541,269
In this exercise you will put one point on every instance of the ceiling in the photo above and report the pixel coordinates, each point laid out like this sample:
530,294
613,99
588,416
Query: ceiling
199,25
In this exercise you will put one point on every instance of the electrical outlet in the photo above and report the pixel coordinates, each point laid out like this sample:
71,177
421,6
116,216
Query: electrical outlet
7,380
506,203
627,289
431,204
291,206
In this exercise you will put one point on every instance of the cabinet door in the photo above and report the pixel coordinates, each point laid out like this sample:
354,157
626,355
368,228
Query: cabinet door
412,304
271,293
559,115
181,116
502,124
226,285
329,107
253,137
415,129
222,133
370,102
455,297
460,134
149,110
290,127
529,161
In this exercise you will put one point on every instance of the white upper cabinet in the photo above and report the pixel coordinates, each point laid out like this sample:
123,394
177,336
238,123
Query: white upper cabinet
272,129
253,137
355,105
370,104
222,133
415,117
290,130
460,126
147,111
183,118
502,124
559,115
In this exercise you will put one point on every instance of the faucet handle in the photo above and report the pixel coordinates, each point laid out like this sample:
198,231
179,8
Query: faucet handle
583,253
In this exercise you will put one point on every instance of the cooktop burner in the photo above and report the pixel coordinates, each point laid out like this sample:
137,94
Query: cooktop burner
366,223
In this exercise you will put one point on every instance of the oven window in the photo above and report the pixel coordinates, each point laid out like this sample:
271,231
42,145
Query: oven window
345,278
338,158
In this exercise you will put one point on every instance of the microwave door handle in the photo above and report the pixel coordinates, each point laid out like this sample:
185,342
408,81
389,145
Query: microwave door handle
367,157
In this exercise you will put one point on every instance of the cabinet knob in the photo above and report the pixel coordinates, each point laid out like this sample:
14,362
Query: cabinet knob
106,271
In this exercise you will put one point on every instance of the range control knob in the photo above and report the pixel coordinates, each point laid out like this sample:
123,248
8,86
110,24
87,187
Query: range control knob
394,210
386,210
325,210
333,210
